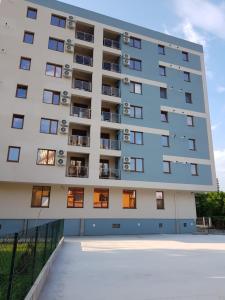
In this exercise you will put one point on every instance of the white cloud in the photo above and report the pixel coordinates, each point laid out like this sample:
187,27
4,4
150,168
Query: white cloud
220,89
215,126
220,167
191,34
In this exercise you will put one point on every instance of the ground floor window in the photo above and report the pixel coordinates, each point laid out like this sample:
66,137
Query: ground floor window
75,198
101,198
40,196
129,199
160,200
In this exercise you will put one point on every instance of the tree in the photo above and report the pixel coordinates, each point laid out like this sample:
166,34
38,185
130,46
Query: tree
210,204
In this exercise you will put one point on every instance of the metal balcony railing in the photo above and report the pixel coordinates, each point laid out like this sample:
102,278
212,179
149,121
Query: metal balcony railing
84,36
111,43
110,117
78,140
80,112
83,59
110,91
77,171
82,85
110,144
109,173
111,66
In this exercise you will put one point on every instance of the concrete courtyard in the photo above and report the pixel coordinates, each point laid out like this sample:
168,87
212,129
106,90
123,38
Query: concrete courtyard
139,268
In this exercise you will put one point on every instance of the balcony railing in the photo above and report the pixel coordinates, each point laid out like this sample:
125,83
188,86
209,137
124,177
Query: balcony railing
110,144
110,91
108,173
110,117
77,171
83,59
78,140
84,36
111,43
82,85
111,66
80,112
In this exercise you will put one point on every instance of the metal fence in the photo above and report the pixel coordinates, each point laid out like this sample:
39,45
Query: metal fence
23,255
211,225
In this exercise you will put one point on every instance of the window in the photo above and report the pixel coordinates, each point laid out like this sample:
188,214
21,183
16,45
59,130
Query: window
21,91
17,121
51,97
75,198
28,37
191,144
56,45
46,157
159,200
134,42
188,97
48,126
135,87
136,112
32,13
161,49
166,166
13,154
101,198
187,76
164,116
194,169
165,140
190,120
136,137
135,64
25,63
137,164
58,21
163,93
40,196
185,56
129,199
53,70
162,70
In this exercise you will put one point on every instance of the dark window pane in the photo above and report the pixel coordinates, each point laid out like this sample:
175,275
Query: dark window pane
17,121
25,63
31,13
28,37
13,154
58,21
21,91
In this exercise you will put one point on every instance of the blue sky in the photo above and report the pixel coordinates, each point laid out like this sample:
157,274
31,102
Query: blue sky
200,21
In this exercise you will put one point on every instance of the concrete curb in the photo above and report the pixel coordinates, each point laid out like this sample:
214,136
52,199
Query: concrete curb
35,290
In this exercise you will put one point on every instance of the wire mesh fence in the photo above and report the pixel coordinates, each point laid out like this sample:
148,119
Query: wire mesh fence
212,225
23,255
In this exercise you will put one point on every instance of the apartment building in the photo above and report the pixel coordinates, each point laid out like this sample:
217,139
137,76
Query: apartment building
104,123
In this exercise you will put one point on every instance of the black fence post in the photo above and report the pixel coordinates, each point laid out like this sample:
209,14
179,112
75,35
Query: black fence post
46,239
9,292
34,255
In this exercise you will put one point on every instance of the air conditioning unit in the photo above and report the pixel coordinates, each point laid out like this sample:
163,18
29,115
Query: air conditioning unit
126,38
126,138
126,167
126,105
126,160
126,60
69,48
61,162
63,130
126,80
65,101
65,94
64,123
126,111
61,153
67,71
71,22
126,131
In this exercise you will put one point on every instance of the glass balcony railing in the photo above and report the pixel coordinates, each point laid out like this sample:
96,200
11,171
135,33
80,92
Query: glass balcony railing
110,144
84,60
111,43
82,85
77,171
78,140
111,66
110,91
109,173
81,112
84,36
110,117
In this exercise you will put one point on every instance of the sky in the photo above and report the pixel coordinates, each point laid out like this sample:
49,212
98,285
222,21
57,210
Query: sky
199,21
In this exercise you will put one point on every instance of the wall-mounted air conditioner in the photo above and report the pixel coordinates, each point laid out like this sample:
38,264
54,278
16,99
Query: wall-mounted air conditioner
64,123
126,167
126,131
63,130
126,38
126,80
61,161
71,22
126,60
126,138
67,71
61,153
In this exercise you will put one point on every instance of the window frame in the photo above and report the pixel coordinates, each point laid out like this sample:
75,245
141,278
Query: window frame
133,62
21,86
193,141
42,190
133,89
74,200
164,70
101,190
135,138
60,18
169,165
188,97
33,10
28,33
50,126
54,93
135,199
188,74
13,117
196,169
167,138
57,43
22,58
161,199
185,56
137,107
132,42
135,164
55,68
18,158
192,121
163,112
163,90
161,47
47,164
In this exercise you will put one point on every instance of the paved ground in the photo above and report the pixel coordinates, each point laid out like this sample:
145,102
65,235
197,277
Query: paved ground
184,267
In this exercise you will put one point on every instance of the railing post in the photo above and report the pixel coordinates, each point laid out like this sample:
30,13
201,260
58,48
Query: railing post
34,255
10,284
46,238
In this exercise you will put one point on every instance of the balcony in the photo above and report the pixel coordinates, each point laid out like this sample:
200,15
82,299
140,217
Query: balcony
77,171
110,144
84,32
110,117
111,43
83,60
109,173
80,112
111,66
110,91
78,140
